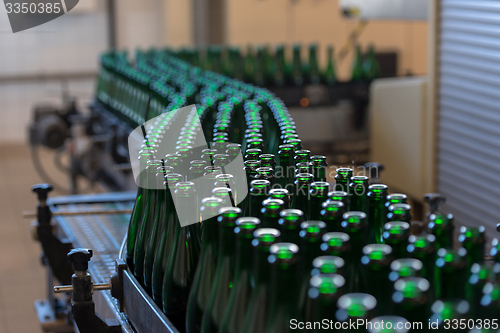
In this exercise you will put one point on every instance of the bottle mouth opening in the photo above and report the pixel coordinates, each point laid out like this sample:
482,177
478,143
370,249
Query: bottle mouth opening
336,238
284,250
357,303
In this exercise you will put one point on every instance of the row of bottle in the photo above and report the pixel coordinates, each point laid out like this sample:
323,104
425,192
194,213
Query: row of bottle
360,223
264,67
225,285
315,221
160,81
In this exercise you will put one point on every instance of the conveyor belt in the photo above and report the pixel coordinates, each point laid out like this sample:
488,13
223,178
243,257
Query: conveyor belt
104,234
101,233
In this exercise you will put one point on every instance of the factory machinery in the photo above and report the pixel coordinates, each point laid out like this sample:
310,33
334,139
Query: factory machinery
268,247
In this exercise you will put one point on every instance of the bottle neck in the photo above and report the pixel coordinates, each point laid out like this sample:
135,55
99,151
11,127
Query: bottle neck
226,240
261,266
244,255
284,280
210,232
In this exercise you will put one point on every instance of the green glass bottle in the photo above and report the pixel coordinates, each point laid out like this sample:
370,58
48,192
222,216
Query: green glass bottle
144,233
286,171
303,167
237,305
270,212
251,167
267,160
196,169
313,67
280,65
353,307
233,150
266,173
281,194
258,305
330,75
284,278
300,198
296,143
302,155
253,154
450,273
183,257
357,65
434,202
225,194
336,244
138,210
406,267
311,237
224,275
209,178
297,77
323,295
207,155
480,275
167,238
396,235
442,227
376,263
328,265
259,189
342,179
370,67
249,65
490,301
157,229
395,198
318,195
495,250
473,240
175,161
423,247
331,214
356,226
227,180
399,212
377,214
358,187
319,167
340,196
412,299
205,272
289,225
447,311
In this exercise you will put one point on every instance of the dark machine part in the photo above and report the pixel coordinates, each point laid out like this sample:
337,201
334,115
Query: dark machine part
51,311
97,145
82,288
50,125
54,249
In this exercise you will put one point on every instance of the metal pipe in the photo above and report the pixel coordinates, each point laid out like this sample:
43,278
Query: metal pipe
32,214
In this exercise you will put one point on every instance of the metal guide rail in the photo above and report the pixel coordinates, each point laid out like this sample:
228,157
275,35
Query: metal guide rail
104,234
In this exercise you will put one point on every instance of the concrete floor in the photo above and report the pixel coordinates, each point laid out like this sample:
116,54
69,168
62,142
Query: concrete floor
22,278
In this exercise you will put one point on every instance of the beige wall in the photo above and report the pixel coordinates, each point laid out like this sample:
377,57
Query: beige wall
305,21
